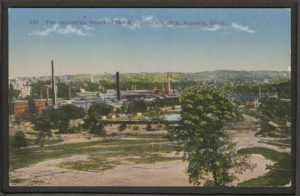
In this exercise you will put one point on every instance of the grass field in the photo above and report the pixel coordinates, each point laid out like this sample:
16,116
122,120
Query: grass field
146,147
279,174
284,143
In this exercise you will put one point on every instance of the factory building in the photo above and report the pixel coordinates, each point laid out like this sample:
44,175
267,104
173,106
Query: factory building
136,94
20,108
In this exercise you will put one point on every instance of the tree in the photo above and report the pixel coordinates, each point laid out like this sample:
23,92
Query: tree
66,113
94,125
42,124
273,109
99,110
210,154
276,110
92,87
156,114
13,93
124,107
19,140
137,106
122,127
93,122
63,90
149,127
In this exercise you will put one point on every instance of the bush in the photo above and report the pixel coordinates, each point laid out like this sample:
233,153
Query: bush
149,127
122,127
95,127
98,129
135,128
19,140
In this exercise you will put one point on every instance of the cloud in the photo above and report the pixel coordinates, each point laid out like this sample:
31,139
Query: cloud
71,30
214,28
242,28
67,30
148,18
45,32
87,28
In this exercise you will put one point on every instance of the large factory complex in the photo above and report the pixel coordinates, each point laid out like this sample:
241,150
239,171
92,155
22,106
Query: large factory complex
114,97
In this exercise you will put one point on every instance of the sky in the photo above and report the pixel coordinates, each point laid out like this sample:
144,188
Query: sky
147,40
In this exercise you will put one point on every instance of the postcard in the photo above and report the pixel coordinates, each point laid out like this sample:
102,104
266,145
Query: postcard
151,97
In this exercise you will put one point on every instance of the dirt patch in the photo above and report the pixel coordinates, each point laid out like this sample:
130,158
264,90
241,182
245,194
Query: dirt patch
247,139
170,173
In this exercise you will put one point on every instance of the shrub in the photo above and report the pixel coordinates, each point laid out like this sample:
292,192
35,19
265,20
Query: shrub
135,128
95,127
19,140
122,127
149,127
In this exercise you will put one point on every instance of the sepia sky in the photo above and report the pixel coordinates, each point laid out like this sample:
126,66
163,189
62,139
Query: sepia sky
243,39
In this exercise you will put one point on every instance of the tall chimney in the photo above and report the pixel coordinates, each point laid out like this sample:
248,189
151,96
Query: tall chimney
53,85
118,86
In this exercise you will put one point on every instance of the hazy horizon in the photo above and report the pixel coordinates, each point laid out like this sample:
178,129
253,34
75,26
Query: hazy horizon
113,73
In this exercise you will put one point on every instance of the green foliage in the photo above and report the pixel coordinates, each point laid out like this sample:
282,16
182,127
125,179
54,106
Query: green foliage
70,111
279,174
99,110
95,126
159,103
156,114
136,106
55,119
122,127
124,107
149,127
63,91
29,156
43,124
92,87
38,90
13,93
273,109
19,140
205,146
93,122
136,128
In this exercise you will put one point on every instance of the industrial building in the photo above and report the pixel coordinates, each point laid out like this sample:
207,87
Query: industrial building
114,97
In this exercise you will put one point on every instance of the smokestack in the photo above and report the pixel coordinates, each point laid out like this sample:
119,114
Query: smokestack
53,85
168,85
118,86
70,92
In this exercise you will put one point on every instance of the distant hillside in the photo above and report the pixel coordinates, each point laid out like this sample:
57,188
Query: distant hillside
234,76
